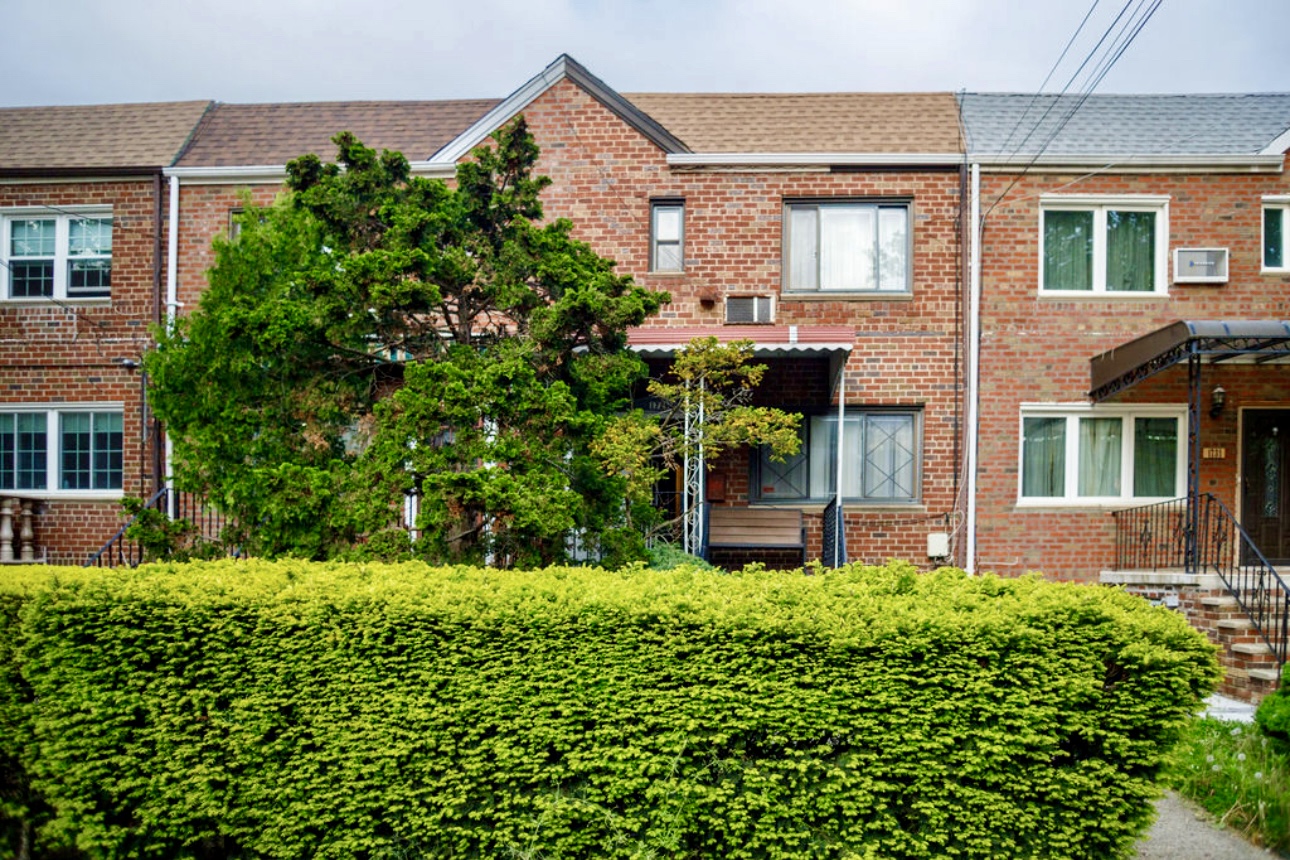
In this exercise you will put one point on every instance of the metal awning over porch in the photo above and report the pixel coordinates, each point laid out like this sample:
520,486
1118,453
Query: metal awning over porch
833,342
1209,341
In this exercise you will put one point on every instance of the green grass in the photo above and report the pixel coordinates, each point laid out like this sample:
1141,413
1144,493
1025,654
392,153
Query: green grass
1241,776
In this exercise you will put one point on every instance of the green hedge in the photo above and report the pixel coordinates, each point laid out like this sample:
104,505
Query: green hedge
289,710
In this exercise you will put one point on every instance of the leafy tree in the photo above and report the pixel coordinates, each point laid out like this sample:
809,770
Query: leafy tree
375,333
711,384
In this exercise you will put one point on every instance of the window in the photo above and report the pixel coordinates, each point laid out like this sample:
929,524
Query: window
849,246
1115,246
880,460
667,236
1091,454
1276,227
49,255
69,449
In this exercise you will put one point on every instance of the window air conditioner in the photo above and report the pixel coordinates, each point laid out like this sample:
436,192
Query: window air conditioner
749,309
1200,265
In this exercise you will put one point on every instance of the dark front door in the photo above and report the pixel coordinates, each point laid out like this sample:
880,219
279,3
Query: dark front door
1265,482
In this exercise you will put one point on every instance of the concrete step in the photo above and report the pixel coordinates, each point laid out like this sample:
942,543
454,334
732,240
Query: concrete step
1237,624
1270,676
1251,649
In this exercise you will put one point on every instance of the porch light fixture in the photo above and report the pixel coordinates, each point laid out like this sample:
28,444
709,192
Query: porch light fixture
1217,401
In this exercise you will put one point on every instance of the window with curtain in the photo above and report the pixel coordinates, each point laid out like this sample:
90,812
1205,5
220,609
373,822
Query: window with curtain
1275,227
849,246
880,460
1101,454
1114,248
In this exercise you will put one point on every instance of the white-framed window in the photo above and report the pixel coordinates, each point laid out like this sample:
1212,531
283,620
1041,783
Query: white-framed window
667,236
1075,454
64,255
1103,245
74,449
847,246
881,460
1276,228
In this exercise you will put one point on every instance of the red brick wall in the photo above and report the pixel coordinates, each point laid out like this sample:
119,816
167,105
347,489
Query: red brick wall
605,174
1037,349
70,352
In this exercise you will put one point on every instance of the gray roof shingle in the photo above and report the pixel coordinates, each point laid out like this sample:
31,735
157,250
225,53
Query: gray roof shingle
1142,125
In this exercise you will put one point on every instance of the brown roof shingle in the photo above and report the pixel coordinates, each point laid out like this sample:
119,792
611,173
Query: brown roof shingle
265,134
807,122
96,136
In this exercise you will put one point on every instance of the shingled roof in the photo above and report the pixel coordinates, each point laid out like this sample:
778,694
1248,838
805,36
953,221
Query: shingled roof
86,137
807,122
270,134
1141,125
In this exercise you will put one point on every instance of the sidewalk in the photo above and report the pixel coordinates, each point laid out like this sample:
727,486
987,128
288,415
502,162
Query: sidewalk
1183,831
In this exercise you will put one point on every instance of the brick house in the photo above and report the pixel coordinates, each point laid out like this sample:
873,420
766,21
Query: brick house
1133,291
706,196
82,228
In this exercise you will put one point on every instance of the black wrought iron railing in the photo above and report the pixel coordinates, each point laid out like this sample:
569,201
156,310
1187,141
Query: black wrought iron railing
1206,538
835,536
204,525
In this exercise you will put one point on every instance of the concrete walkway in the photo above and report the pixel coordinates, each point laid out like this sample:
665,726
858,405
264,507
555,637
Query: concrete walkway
1183,831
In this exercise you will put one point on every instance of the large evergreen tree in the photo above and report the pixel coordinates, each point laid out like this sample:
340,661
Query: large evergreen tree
374,334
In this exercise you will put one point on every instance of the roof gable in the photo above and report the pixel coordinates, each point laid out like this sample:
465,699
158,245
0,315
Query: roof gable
563,67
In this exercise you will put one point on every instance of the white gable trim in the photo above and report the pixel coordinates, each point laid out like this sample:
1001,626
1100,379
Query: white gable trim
563,67
1280,145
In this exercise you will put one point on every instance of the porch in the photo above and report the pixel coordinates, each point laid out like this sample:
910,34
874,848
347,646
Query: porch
1224,570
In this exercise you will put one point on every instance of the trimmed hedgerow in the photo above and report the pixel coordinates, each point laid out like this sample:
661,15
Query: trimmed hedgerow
289,710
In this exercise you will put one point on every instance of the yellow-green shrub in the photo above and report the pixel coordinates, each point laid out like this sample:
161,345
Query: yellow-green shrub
290,710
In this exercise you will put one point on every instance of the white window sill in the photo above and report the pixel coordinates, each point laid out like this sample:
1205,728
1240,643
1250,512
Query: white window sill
1056,504
843,296
56,303
65,495
1283,270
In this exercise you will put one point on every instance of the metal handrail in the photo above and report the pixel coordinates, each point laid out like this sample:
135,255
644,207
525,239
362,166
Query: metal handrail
1224,547
121,551
1201,537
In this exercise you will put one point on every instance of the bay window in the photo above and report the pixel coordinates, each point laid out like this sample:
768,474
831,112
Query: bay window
880,451
1085,454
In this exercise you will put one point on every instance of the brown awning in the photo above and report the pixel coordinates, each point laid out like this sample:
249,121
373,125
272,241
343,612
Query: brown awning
1214,341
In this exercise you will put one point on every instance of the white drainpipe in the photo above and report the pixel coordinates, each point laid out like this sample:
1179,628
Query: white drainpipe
172,307
974,368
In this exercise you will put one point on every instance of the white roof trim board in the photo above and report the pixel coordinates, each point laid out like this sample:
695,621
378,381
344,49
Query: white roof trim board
1280,145
563,67
813,159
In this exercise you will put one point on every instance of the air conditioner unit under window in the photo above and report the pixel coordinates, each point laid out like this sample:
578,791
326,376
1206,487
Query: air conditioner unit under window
1200,265
749,309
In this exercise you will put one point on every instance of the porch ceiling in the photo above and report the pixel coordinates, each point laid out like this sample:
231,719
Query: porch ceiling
1213,341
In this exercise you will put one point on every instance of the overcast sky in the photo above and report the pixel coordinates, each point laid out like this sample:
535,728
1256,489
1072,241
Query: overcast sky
90,51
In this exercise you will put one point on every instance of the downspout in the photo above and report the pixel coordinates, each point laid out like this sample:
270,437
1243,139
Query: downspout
974,368
152,425
842,415
172,308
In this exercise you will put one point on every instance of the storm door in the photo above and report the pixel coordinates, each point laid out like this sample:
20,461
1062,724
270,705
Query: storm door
1265,482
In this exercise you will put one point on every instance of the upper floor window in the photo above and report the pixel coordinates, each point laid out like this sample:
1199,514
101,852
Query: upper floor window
56,255
1103,245
1082,454
848,246
667,236
880,460
69,448
1276,227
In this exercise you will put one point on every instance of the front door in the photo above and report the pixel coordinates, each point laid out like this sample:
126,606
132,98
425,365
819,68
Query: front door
1265,482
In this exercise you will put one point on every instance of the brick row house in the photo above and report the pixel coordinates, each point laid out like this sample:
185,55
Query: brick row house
82,228
1134,291
1114,322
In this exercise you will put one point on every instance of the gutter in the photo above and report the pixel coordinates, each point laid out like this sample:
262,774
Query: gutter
275,174
68,173
815,159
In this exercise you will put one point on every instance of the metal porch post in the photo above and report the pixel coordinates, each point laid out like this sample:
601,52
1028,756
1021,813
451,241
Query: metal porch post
1192,550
